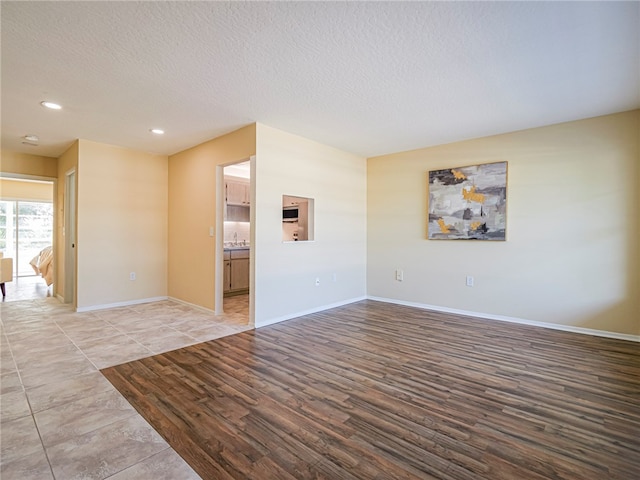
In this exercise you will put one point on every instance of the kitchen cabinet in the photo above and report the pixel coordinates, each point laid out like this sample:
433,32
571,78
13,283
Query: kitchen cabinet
236,271
227,275
290,201
237,193
236,213
240,274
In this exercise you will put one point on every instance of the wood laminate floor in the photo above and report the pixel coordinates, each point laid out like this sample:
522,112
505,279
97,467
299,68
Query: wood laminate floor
379,391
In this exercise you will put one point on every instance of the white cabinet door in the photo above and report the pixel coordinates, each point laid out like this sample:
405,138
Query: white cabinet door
237,193
227,276
240,274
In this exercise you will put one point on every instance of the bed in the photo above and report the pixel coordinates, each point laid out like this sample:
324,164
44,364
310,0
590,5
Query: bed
43,264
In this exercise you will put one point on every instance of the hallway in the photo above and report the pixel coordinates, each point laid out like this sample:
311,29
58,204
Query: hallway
27,288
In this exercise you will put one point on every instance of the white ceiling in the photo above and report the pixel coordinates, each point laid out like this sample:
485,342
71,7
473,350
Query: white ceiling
366,77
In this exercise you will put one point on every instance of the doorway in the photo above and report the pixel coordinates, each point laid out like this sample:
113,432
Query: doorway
26,236
234,241
69,233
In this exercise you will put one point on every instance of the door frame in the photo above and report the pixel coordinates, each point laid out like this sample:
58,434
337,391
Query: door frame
219,238
54,239
69,233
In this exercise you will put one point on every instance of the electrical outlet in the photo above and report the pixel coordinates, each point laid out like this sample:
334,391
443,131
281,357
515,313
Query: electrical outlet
399,275
317,281
469,281
132,276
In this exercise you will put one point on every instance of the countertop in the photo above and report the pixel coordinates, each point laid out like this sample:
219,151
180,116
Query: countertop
237,247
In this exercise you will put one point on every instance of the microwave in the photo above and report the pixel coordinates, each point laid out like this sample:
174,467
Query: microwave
290,214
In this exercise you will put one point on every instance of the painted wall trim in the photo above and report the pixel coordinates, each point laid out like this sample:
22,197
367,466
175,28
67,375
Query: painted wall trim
120,304
308,312
522,321
192,305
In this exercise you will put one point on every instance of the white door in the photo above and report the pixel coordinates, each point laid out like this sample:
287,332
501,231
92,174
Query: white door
70,237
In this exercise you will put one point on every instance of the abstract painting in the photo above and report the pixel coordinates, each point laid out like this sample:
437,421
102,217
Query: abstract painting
468,203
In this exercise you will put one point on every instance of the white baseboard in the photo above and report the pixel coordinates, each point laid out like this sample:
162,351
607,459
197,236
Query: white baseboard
504,318
121,304
192,305
271,321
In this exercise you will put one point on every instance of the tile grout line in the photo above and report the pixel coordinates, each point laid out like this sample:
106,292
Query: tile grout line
169,447
131,338
76,345
100,338
33,418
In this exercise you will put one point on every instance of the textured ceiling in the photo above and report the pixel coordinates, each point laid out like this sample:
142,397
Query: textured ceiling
366,77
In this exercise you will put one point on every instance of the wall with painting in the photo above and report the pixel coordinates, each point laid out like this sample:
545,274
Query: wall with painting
571,254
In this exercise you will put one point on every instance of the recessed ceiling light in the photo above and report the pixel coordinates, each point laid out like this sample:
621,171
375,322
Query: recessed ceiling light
157,131
51,105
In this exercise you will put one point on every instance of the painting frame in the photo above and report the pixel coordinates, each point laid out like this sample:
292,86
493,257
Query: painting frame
468,202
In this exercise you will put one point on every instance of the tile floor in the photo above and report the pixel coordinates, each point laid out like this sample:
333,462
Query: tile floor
27,288
60,418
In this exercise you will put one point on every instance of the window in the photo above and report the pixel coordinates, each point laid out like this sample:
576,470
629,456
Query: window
25,229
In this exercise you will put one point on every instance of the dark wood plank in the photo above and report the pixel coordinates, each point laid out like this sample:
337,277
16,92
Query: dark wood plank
378,391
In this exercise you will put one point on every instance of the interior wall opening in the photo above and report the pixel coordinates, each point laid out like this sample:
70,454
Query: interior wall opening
26,237
237,240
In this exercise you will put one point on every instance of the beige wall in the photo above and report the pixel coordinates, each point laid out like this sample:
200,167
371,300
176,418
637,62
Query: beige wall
11,189
571,255
26,164
66,162
122,225
285,272
192,211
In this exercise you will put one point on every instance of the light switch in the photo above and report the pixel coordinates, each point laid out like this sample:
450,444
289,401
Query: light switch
211,231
